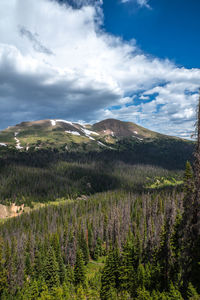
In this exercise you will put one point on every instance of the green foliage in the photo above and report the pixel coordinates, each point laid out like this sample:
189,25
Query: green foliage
192,293
84,247
51,269
121,244
79,269
174,293
110,279
143,294
162,182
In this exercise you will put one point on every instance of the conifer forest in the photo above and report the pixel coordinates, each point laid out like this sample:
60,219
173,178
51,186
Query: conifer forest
93,227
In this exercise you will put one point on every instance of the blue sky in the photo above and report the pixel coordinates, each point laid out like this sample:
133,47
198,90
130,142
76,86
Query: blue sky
88,60
167,29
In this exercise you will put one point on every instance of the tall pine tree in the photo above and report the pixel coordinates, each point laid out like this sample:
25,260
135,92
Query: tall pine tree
51,269
79,269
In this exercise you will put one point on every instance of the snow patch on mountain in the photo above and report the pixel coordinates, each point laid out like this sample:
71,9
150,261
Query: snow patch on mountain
89,132
3,144
18,146
53,122
72,132
64,121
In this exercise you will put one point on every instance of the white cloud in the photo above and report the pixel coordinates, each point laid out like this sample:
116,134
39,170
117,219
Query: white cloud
141,3
88,72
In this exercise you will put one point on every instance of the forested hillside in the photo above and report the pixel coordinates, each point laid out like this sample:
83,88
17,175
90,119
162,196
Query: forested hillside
45,175
112,224
114,245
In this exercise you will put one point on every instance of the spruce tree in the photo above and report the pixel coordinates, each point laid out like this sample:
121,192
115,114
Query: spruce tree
127,272
84,247
79,269
59,258
110,278
174,293
51,269
176,247
164,255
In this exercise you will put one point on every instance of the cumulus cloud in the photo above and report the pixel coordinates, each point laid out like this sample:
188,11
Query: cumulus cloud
89,73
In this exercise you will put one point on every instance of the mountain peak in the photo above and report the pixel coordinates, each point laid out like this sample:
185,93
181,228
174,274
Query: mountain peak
67,135
123,129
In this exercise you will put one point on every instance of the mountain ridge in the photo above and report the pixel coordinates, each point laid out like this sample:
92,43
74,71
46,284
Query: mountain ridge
58,133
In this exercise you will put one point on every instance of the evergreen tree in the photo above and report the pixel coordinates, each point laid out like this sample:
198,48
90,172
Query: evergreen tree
174,293
143,294
98,249
84,247
110,278
34,290
176,247
80,293
164,255
59,258
51,269
185,228
79,269
38,264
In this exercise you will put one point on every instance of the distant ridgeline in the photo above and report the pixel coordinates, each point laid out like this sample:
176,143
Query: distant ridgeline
109,139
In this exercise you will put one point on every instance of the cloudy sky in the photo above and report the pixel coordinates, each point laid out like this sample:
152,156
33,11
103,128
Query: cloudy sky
87,60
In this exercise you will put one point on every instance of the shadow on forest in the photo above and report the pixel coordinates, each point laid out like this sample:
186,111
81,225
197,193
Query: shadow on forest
46,175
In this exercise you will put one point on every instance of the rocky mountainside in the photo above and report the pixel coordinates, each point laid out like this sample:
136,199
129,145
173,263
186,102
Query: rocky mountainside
65,135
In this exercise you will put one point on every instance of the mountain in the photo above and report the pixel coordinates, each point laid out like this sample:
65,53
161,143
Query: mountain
66,135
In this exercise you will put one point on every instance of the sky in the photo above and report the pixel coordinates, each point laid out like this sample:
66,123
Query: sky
89,60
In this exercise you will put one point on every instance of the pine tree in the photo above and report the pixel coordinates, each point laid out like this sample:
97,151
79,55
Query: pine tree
51,269
98,249
79,269
174,293
143,294
164,255
127,272
84,247
38,264
59,259
176,246
188,202
110,278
